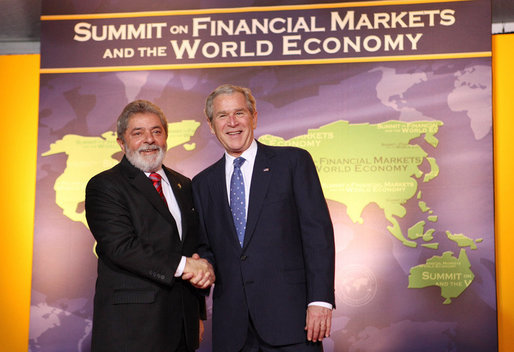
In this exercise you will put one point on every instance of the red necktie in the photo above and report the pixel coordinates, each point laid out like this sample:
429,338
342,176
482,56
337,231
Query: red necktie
156,180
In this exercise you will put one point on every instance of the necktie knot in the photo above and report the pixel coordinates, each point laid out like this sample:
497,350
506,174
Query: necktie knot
238,162
155,177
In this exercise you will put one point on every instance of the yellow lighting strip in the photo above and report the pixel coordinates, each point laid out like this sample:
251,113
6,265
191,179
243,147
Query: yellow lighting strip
267,63
241,9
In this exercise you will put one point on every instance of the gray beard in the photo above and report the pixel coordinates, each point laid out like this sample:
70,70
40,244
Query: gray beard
145,164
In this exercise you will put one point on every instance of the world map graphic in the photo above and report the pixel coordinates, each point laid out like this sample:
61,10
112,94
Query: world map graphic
380,176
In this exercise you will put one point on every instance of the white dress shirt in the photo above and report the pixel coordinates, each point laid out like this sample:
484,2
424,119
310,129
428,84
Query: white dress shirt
246,169
174,210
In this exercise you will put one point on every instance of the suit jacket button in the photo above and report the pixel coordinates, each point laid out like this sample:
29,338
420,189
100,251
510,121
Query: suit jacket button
243,257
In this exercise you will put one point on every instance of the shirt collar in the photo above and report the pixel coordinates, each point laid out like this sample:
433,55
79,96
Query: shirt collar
162,173
249,155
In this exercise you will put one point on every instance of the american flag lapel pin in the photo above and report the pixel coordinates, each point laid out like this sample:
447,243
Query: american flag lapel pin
266,169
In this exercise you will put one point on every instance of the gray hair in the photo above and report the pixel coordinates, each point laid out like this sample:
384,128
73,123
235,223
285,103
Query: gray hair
229,89
138,107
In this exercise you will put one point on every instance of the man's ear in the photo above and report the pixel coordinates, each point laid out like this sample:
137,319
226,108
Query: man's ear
254,120
122,145
210,125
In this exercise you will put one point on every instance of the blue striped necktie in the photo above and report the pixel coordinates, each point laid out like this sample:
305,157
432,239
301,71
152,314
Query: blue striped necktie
237,199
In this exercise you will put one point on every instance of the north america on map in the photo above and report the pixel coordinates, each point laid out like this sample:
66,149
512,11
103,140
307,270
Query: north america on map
88,156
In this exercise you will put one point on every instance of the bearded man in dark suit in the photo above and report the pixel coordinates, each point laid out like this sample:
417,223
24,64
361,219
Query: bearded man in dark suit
265,227
142,216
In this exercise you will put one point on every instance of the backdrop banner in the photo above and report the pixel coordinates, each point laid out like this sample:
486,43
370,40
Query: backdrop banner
391,98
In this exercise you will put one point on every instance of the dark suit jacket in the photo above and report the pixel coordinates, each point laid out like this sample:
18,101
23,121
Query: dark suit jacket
139,305
287,259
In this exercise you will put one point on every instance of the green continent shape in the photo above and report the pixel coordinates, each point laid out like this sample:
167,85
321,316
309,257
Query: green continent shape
423,206
416,230
87,156
430,245
434,170
452,275
360,164
432,218
429,235
462,240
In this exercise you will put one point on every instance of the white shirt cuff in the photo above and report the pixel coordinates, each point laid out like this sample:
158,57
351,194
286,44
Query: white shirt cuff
180,267
321,304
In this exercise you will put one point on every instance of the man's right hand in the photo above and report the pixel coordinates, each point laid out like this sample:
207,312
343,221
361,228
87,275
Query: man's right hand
199,272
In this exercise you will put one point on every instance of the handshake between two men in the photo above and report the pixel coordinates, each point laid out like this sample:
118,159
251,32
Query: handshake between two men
199,272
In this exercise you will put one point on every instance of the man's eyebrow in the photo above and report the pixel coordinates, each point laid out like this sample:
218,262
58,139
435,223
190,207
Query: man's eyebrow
226,112
151,128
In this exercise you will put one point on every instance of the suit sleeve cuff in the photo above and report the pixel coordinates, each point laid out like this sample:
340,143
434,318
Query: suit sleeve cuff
321,304
180,267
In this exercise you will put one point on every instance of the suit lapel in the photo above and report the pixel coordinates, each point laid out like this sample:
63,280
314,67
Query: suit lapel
143,184
218,190
176,187
261,176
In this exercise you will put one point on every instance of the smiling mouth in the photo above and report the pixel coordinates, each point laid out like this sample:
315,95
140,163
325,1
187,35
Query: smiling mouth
233,133
149,150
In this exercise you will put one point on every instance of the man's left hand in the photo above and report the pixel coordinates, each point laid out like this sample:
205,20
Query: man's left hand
199,272
318,323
